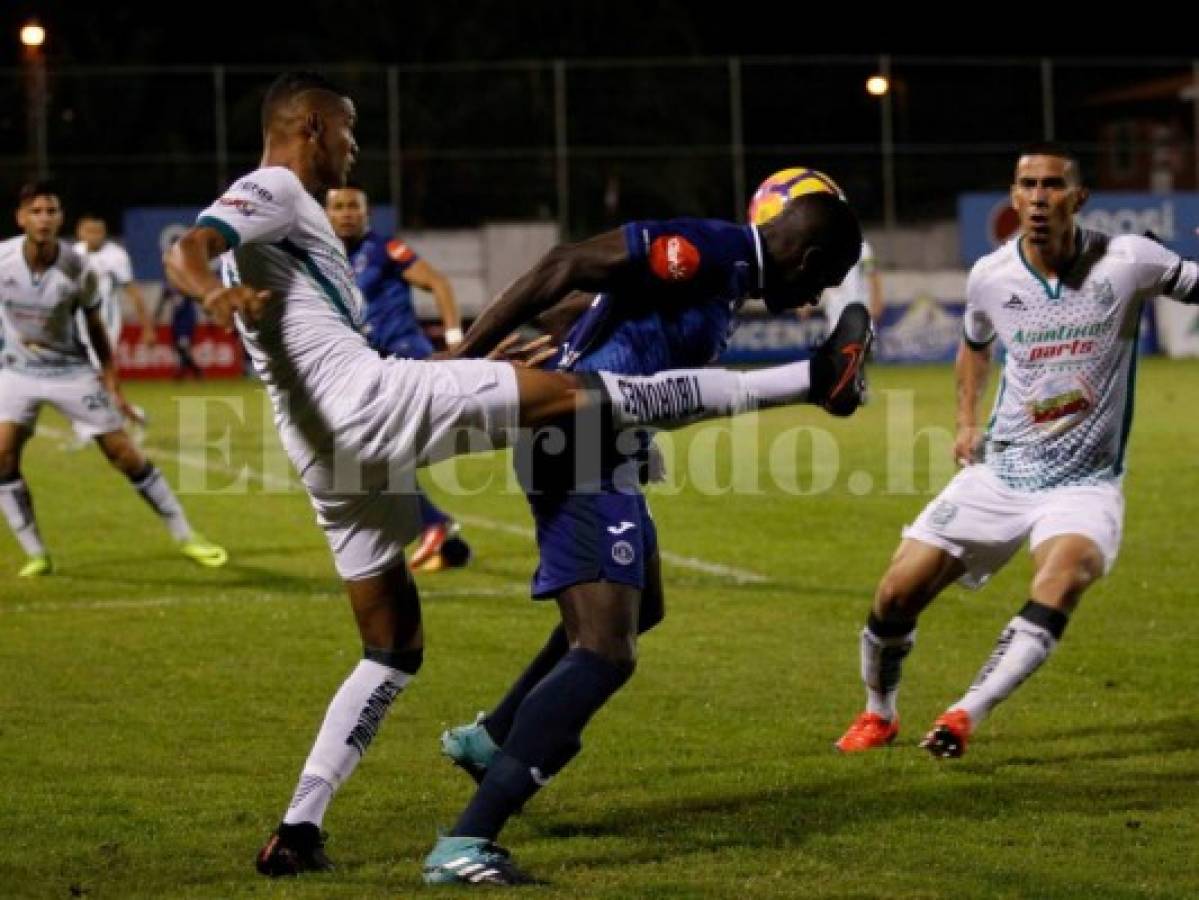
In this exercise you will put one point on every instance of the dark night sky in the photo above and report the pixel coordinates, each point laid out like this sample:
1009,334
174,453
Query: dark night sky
394,31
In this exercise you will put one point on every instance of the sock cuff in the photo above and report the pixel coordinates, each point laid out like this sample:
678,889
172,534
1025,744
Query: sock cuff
406,661
885,629
15,483
1052,620
142,478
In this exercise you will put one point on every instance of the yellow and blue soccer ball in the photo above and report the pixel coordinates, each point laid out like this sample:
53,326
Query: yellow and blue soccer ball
782,187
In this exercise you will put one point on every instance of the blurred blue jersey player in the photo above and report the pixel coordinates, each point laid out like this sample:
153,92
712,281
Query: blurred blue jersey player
386,270
667,299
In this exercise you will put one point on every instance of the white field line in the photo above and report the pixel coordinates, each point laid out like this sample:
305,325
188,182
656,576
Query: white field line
273,482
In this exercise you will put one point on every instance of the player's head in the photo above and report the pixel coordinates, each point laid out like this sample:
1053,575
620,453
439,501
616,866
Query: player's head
811,245
1047,191
349,211
92,230
39,211
310,115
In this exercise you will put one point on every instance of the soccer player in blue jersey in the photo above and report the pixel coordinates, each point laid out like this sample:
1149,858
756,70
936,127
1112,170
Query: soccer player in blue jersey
667,300
386,271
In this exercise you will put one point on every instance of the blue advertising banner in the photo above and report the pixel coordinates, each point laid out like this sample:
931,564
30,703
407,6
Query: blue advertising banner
150,230
987,220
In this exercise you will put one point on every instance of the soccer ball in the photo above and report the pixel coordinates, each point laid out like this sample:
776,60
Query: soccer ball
778,190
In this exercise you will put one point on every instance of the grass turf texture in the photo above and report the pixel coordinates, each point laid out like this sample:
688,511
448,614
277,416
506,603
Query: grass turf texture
154,715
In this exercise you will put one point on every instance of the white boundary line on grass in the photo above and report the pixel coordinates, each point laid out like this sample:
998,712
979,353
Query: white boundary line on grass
695,564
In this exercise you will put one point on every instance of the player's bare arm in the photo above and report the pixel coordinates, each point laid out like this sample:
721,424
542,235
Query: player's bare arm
424,276
187,268
970,370
592,265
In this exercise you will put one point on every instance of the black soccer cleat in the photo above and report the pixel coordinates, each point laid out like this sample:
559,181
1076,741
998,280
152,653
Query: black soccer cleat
839,366
293,850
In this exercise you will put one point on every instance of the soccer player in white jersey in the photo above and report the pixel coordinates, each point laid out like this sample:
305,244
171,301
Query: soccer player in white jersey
356,425
114,273
43,282
1065,302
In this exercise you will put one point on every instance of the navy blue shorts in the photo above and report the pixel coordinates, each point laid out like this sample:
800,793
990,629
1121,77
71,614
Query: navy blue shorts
585,537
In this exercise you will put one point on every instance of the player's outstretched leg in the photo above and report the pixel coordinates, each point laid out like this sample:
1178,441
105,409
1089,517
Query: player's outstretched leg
123,453
1066,565
387,608
16,502
916,575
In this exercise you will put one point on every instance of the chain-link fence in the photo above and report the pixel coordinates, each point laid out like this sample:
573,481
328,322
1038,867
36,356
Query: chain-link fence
589,143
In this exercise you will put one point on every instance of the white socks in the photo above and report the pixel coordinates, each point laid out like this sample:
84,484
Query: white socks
882,659
350,724
155,491
679,396
16,504
1021,649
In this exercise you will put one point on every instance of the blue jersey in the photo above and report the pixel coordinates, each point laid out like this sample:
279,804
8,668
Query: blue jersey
689,278
391,325
674,310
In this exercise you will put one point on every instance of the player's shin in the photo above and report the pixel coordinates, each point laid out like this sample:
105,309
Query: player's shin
545,737
154,489
1022,648
499,721
678,396
350,724
16,504
884,646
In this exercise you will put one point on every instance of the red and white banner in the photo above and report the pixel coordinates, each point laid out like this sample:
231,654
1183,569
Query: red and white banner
216,351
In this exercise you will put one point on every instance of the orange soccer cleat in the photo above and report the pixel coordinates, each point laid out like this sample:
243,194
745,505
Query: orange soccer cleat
949,735
868,731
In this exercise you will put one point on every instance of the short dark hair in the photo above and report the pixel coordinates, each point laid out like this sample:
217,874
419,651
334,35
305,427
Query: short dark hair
287,86
31,190
91,215
1052,148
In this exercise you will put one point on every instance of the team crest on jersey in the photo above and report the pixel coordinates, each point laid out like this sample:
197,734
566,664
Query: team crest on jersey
943,513
399,251
623,553
673,258
1103,293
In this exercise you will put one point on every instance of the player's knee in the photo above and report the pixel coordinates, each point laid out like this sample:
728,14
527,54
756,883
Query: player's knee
408,661
898,596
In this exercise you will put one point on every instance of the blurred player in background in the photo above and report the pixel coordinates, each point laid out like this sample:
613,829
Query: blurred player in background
598,544
43,283
386,271
184,316
1065,303
114,272
354,423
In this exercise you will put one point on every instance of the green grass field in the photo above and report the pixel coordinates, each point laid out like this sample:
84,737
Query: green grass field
154,716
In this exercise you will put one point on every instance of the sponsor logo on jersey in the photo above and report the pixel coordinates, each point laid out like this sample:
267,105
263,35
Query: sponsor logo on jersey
241,204
400,252
256,189
1065,340
1054,408
673,258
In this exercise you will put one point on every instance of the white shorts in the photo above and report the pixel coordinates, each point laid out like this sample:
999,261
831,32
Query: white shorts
416,413
82,399
983,522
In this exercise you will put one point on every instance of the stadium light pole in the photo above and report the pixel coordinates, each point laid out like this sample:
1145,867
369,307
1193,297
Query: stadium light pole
33,36
880,86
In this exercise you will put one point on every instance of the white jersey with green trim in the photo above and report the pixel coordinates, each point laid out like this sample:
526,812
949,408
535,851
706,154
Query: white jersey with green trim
37,312
113,270
306,347
1064,407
